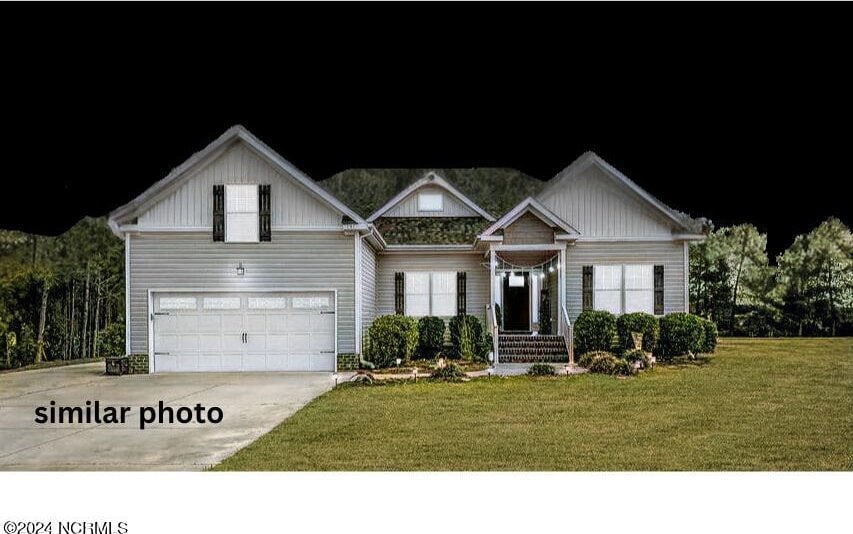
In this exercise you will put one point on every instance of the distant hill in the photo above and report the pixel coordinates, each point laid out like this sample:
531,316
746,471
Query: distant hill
496,190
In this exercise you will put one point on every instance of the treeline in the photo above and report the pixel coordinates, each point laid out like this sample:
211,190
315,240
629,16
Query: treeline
61,298
807,292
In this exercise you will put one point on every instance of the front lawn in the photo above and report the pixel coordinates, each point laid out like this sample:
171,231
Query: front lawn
759,404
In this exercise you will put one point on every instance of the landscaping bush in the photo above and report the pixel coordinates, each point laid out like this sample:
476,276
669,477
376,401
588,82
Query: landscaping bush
541,369
637,355
587,358
111,341
709,343
680,333
594,330
624,368
451,371
645,323
468,338
392,337
430,337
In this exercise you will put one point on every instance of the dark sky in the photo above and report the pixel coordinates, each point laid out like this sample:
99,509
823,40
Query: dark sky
735,113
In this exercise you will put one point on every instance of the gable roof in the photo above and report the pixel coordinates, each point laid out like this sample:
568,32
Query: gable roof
495,190
184,171
531,205
588,158
430,178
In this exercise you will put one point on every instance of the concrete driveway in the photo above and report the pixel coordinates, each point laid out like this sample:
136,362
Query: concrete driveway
252,404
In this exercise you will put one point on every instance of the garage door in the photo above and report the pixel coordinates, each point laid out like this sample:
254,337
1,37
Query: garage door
244,332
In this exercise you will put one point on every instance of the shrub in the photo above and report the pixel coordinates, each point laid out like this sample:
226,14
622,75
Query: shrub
392,337
451,371
604,364
594,330
680,333
644,323
587,358
709,343
637,355
469,338
111,341
624,368
430,337
541,369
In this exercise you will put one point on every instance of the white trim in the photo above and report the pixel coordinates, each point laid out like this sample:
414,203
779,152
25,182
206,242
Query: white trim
686,277
561,287
533,206
127,294
358,289
430,248
640,239
529,248
150,310
163,187
208,229
430,178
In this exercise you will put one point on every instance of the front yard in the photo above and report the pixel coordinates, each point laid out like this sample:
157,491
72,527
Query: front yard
758,404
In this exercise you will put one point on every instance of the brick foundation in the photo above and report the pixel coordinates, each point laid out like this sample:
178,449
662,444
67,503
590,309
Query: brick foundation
137,364
347,361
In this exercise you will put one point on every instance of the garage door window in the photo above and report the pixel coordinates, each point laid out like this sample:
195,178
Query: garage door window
222,303
267,303
178,303
310,303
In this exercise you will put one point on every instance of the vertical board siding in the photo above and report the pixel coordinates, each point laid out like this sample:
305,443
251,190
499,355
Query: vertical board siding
368,287
528,229
668,254
453,207
310,260
190,205
477,278
599,207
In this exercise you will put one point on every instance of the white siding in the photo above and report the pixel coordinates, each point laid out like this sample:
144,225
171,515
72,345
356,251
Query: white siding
477,283
453,207
190,205
668,254
597,206
368,287
309,260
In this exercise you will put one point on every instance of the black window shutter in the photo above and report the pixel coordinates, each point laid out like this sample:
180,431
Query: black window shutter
400,293
461,293
219,213
587,287
658,289
264,213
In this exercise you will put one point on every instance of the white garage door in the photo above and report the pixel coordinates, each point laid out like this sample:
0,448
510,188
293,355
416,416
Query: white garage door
244,332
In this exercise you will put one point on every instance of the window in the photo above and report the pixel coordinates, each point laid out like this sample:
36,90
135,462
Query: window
221,303
624,288
417,294
178,303
241,213
267,303
443,294
431,294
639,288
302,303
607,288
430,202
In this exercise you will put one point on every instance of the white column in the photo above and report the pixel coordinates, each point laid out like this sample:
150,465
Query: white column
357,290
492,265
561,288
127,293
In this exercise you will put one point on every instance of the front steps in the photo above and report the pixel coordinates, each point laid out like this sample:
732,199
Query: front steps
514,348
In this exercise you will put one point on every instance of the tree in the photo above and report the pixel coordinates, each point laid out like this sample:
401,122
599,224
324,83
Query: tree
710,286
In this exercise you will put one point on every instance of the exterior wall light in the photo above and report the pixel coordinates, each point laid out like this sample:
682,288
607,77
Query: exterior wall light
240,269
398,362
551,269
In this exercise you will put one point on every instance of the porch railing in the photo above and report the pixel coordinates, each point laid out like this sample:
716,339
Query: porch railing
493,325
568,333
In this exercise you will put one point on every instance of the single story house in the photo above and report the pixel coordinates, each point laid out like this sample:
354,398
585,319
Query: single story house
238,261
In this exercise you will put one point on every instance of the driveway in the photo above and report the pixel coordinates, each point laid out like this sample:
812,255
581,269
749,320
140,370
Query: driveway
252,404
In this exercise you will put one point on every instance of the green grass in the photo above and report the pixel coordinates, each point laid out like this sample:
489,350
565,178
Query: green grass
51,363
768,404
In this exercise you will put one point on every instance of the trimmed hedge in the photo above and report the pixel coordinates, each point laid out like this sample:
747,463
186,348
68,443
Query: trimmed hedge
680,333
645,323
430,337
709,343
541,369
468,338
392,337
594,330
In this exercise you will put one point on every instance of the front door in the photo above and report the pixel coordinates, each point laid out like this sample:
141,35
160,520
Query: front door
516,300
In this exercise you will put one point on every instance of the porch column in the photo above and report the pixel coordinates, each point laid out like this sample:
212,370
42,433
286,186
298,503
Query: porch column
561,289
492,265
